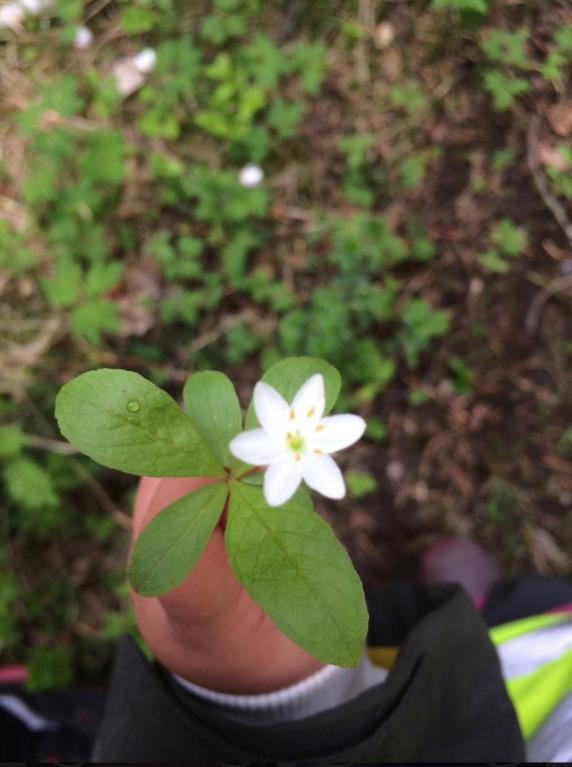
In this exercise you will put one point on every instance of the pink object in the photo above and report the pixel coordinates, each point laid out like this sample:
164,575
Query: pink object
460,560
13,674
130,73
563,609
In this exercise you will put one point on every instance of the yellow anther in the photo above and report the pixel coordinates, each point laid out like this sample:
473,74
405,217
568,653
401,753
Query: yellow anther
292,415
320,427
318,452
311,412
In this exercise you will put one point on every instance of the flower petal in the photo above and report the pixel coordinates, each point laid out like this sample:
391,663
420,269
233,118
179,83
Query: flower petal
271,409
322,473
310,399
338,431
281,481
256,447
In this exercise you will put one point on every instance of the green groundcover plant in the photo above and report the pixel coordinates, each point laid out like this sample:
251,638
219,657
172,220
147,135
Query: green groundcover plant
283,553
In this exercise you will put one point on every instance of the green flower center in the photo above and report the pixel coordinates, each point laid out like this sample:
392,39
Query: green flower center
295,442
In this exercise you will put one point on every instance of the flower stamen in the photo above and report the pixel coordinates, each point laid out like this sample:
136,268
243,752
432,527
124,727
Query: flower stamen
295,442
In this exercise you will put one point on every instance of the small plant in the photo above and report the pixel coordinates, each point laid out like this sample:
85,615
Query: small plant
461,376
49,667
565,443
123,421
408,97
421,325
508,58
360,173
504,503
507,48
9,598
560,173
413,169
507,242
559,57
361,484
463,7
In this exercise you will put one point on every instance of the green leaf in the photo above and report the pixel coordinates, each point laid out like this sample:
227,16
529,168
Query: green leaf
421,324
212,405
102,278
376,429
171,544
564,446
563,38
64,287
288,375
463,6
295,569
90,320
509,238
49,668
29,485
361,483
509,48
284,117
492,262
125,422
11,440
103,160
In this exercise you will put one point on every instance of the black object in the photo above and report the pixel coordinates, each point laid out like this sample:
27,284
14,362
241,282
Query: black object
445,700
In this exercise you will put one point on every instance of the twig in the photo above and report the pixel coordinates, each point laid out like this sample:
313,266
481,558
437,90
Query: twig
52,445
246,316
97,9
540,182
366,17
553,288
122,519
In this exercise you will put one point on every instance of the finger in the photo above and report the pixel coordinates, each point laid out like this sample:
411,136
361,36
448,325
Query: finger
155,493
211,587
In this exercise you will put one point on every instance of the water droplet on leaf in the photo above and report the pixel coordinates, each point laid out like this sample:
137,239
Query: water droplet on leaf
133,406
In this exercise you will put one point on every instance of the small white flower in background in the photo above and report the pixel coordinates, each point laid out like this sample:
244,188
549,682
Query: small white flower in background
83,38
13,14
130,72
145,61
384,34
295,441
251,175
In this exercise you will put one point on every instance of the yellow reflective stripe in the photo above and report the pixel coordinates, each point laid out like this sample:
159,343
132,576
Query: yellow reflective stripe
536,695
507,631
384,657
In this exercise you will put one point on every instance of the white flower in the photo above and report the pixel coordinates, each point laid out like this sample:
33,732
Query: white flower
83,38
295,441
145,61
251,175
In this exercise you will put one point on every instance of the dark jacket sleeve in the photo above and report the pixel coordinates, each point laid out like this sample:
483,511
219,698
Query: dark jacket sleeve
444,700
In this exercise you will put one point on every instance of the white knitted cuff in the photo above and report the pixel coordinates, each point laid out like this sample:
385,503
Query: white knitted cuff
330,686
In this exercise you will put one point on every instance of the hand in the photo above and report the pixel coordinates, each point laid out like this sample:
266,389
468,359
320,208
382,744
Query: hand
208,630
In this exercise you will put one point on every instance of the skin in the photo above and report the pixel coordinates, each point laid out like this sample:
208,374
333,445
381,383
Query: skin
208,630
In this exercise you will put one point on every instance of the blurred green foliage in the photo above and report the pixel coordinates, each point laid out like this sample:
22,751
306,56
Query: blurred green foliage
360,484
